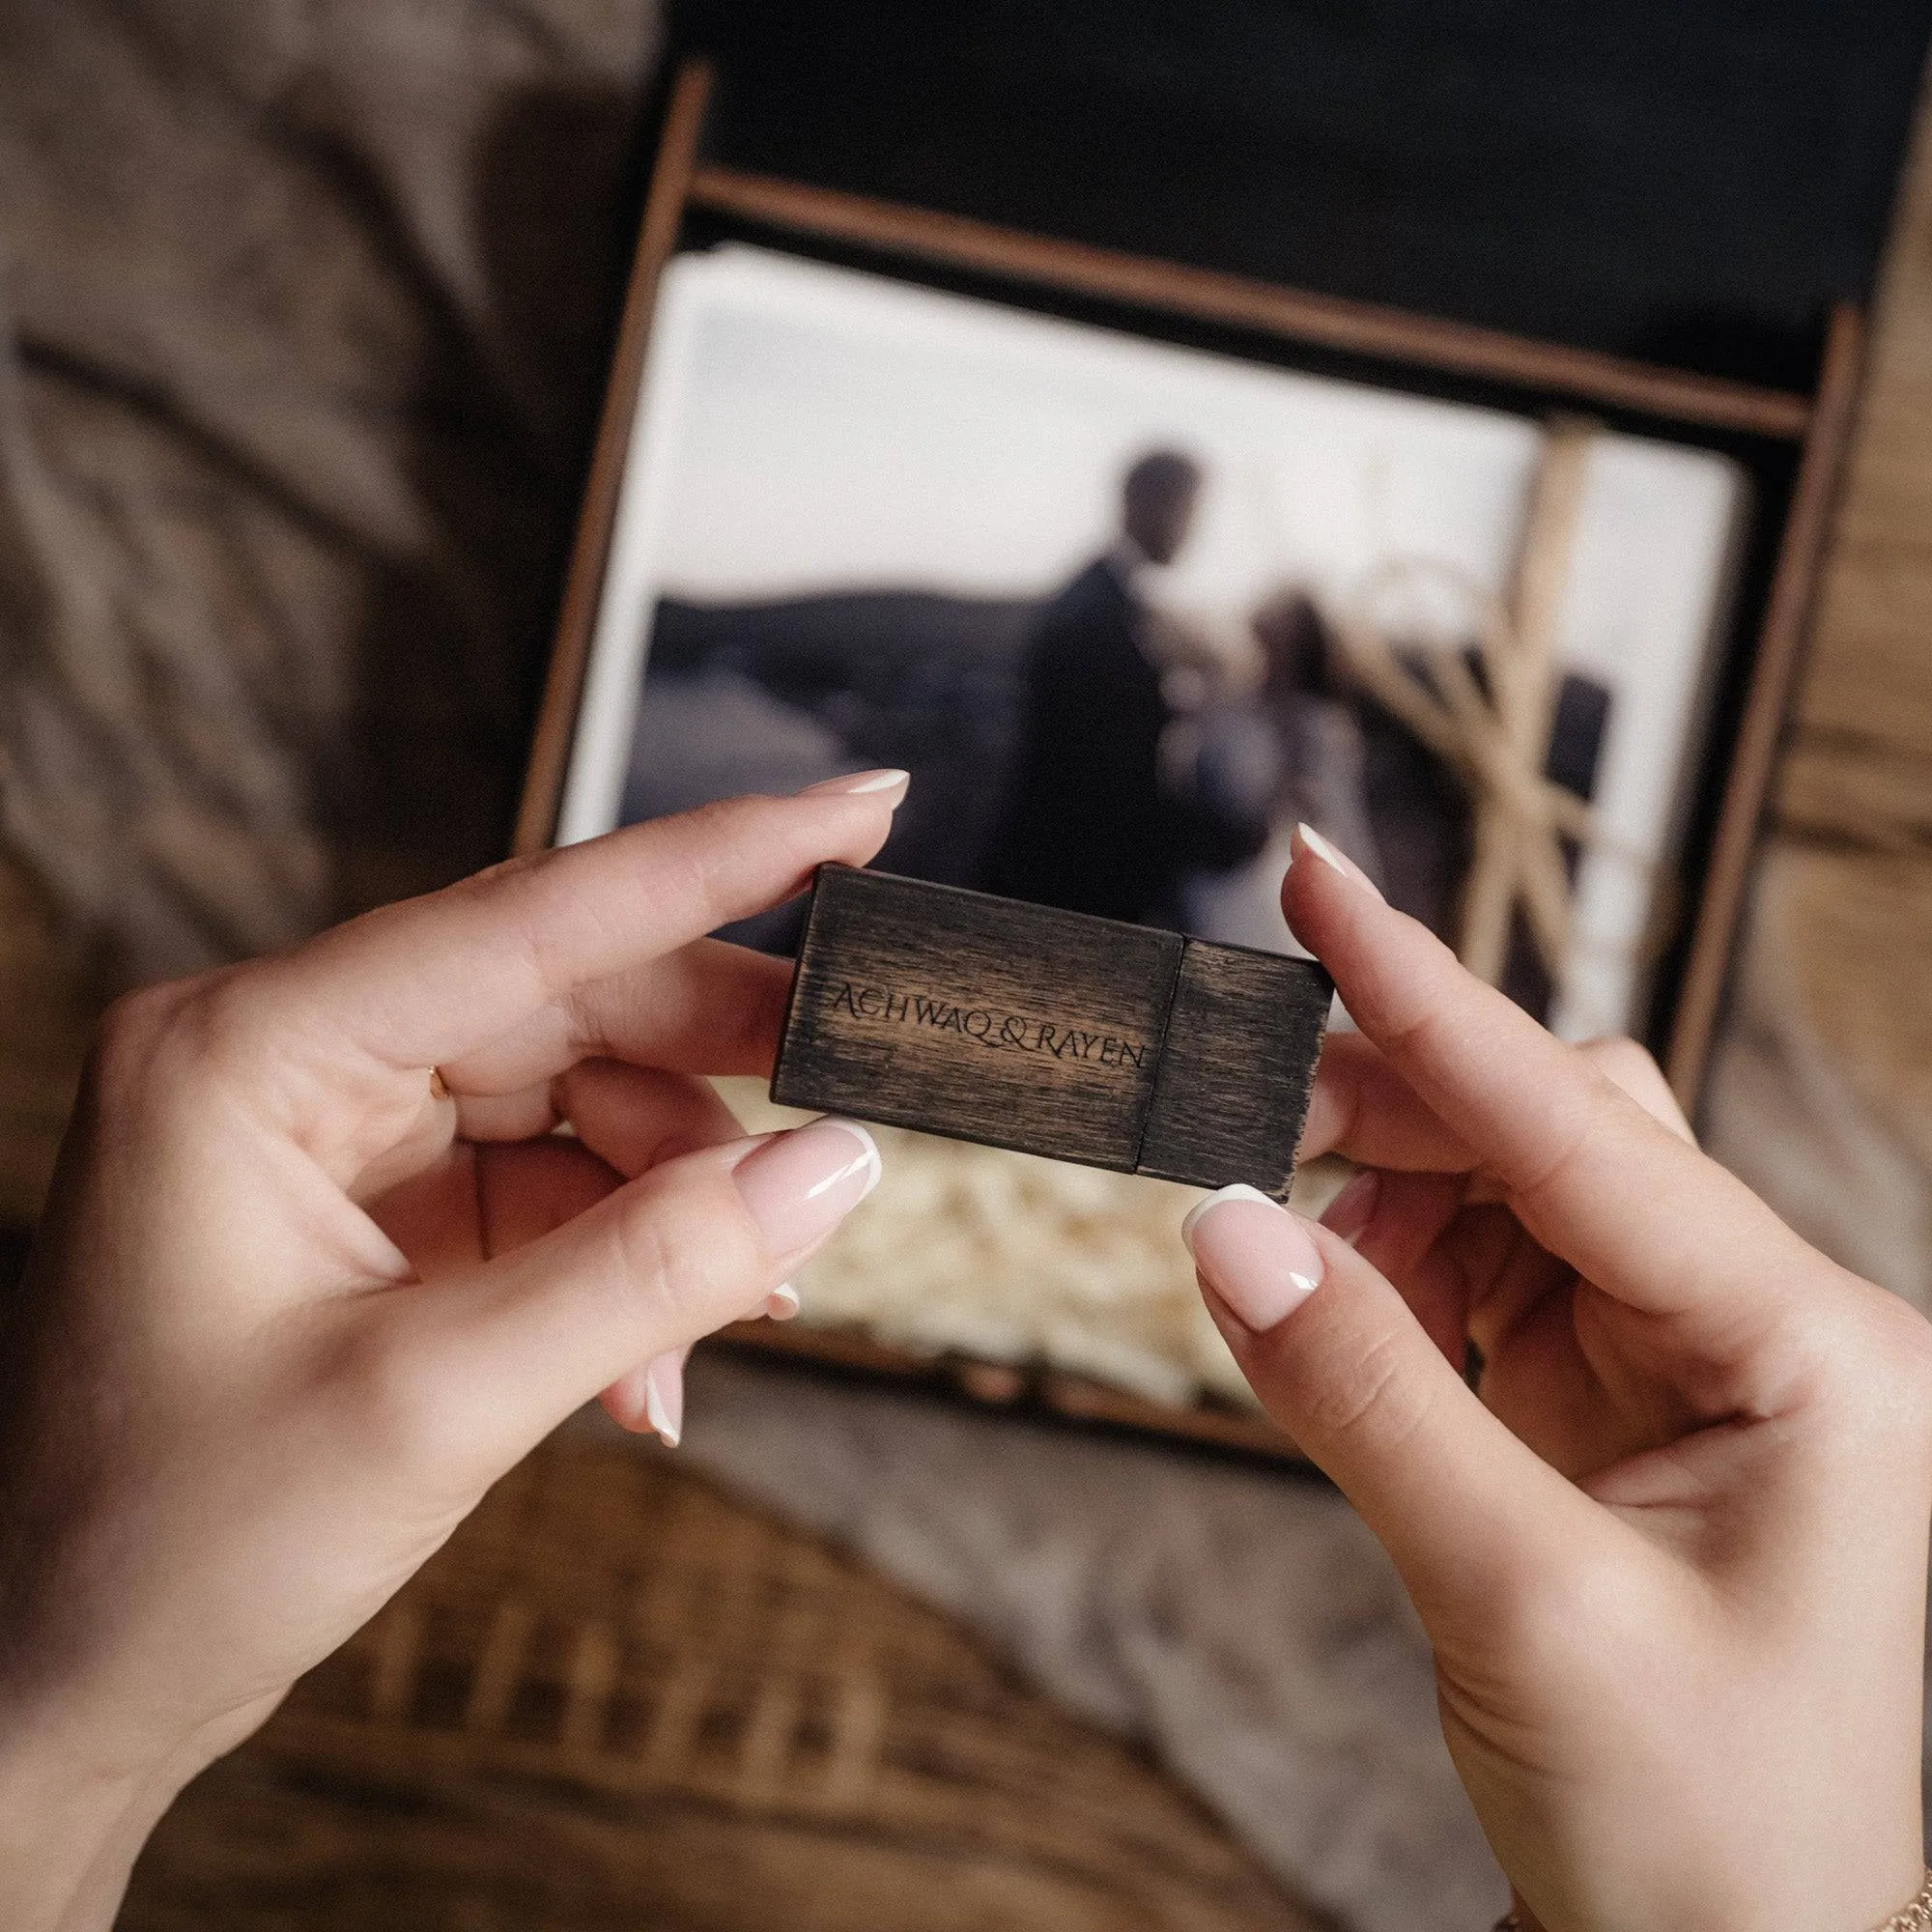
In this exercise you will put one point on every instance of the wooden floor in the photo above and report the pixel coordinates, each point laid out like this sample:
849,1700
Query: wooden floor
619,1698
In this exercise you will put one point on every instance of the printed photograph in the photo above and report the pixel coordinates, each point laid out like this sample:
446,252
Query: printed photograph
1128,612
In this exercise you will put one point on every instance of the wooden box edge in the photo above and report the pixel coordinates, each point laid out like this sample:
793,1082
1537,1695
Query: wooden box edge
1821,424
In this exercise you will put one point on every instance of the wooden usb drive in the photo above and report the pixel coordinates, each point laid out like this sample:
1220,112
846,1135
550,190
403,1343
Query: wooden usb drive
991,1020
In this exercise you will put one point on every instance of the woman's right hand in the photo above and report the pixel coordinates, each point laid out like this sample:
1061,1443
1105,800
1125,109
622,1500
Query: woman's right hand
1672,1556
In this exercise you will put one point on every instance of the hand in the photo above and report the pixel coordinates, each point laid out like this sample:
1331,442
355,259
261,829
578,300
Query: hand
317,1272
1673,1561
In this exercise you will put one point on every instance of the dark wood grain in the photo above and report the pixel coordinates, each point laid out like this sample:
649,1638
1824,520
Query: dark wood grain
1013,1024
583,585
1780,641
1236,1067
1052,1033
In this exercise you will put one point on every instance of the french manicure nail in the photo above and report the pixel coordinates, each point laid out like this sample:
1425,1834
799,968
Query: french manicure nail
1254,1253
783,1303
1308,839
664,1396
801,1184
851,783
1351,1211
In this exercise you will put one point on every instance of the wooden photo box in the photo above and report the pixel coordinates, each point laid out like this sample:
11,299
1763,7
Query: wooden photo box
1757,464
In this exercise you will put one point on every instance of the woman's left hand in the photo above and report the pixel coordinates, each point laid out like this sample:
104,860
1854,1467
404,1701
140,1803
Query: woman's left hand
316,1270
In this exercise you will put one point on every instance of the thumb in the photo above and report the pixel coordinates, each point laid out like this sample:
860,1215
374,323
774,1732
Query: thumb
503,1352
1340,1361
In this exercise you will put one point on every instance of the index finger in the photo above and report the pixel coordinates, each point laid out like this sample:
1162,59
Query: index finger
1361,1107
1594,1178
425,980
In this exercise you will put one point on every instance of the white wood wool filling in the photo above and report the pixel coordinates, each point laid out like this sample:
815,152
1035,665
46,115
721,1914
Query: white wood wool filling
1013,1257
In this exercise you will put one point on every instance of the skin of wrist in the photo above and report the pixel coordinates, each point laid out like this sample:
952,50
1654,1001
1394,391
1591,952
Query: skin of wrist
59,1824
1865,1919
77,1801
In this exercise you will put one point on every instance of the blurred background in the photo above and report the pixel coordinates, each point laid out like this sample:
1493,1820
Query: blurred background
306,311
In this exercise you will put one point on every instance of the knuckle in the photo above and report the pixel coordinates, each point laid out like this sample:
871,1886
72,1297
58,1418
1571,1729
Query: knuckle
512,868
1572,1148
694,850
145,1040
1856,1360
687,1256
771,823
721,816
651,1263
1414,1037
711,864
1633,1071
1370,1401
225,1030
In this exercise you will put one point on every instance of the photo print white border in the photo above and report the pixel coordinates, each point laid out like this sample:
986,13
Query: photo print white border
1331,478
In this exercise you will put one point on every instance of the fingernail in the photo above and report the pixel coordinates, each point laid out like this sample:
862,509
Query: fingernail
1351,1209
801,1184
1308,839
853,782
664,1396
1254,1253
782,1302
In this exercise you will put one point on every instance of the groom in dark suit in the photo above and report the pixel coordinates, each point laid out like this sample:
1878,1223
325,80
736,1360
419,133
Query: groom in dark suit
1091,826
